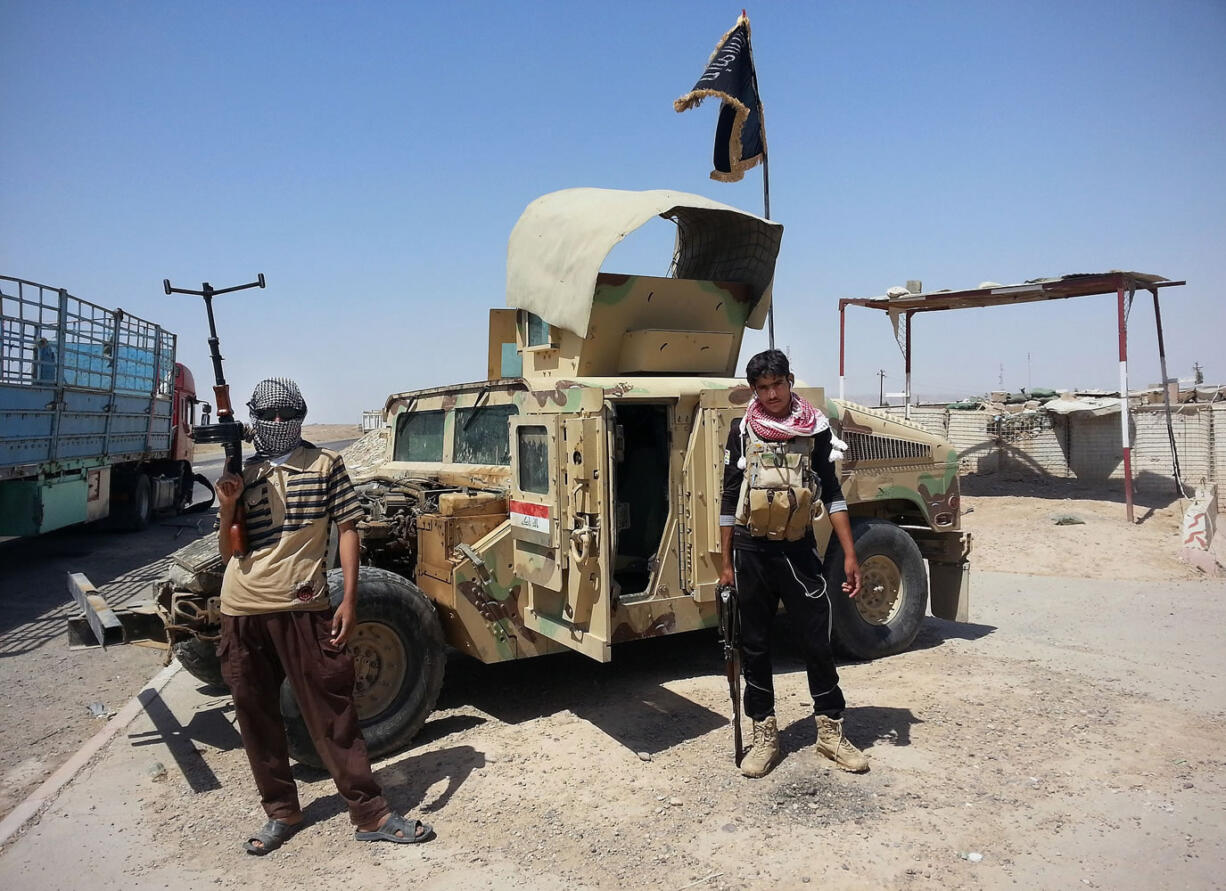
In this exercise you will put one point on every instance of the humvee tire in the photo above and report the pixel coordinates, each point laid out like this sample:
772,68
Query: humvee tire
885,616
199,658
398,656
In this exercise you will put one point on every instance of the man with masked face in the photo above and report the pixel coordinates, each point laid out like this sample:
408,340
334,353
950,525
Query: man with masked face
277,620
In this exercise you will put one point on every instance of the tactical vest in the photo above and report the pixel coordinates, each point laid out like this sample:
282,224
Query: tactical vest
779,493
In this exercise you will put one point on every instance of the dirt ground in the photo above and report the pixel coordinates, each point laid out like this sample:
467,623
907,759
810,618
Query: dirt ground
1015,530
1068,737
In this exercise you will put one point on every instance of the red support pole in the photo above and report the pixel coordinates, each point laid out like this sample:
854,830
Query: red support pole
1124,433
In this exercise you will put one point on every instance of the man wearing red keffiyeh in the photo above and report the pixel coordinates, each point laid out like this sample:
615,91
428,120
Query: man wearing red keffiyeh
775,459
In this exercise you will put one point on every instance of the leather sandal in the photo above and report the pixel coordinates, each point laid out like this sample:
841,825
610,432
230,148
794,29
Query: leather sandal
273,834
396,823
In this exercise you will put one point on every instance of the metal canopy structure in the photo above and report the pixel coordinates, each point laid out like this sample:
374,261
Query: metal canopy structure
901,306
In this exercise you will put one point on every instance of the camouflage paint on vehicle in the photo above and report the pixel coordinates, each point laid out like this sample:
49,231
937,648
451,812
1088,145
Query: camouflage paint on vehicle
489,620
890,460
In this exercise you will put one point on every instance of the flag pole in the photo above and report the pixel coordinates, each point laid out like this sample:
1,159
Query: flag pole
766,170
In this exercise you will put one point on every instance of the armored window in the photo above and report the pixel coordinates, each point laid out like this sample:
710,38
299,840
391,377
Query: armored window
533,459
481,435
419,436
537,331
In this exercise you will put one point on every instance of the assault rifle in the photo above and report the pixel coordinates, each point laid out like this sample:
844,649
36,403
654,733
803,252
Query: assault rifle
730,635
227,431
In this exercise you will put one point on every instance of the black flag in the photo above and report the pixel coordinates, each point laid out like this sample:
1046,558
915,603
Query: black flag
740,141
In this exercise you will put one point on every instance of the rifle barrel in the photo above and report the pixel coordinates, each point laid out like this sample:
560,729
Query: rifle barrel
232,444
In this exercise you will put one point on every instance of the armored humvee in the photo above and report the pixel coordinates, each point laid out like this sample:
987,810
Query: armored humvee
570,500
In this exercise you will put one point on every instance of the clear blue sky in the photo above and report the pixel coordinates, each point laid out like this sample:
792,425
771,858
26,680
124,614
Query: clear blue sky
371,158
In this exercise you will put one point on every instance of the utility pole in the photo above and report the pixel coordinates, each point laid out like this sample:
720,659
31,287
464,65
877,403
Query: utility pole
1198,373
880,387
1000,382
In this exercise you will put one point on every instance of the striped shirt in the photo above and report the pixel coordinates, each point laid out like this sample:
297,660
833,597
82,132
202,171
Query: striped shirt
289,507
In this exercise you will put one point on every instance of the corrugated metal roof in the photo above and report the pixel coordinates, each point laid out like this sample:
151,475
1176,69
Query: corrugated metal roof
991,294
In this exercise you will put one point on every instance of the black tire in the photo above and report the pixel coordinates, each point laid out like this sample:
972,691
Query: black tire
398,664
885,617
137,510
199,658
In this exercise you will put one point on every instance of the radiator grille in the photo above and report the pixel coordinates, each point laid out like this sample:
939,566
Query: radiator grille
875,447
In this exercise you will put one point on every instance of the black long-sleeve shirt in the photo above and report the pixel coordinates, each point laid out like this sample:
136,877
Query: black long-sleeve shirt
823,466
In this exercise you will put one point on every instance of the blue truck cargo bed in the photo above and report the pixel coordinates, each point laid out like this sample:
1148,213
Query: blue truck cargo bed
81,387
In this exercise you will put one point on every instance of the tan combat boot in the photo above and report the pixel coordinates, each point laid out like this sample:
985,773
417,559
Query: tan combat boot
765,751
832,744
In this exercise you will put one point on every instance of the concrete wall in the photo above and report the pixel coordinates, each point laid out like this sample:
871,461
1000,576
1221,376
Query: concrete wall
1088,448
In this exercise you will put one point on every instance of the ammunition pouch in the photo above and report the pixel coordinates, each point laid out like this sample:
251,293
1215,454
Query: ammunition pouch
779,494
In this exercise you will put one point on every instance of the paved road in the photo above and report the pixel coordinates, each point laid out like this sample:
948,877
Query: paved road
44,714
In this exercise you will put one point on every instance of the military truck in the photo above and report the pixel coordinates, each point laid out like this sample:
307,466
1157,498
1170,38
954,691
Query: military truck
570,500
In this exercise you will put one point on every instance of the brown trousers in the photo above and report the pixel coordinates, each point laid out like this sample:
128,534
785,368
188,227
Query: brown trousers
259,652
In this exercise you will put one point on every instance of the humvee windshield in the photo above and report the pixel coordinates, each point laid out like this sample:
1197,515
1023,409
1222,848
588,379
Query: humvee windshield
419,436
481,435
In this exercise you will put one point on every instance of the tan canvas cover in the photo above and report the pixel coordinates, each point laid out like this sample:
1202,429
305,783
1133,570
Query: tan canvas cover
561,240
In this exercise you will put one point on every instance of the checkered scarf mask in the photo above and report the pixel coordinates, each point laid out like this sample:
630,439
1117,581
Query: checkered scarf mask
273,437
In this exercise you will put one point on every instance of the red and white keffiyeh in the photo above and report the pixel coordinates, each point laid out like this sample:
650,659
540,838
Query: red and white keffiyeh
803,420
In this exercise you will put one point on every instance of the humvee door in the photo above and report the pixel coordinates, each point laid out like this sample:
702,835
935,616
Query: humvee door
559,503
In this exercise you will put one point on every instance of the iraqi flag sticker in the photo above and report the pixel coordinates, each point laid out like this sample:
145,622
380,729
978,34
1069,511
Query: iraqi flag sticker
526,515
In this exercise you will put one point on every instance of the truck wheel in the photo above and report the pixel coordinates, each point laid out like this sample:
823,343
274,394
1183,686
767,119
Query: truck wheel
885,616
199,658
137,509
398,664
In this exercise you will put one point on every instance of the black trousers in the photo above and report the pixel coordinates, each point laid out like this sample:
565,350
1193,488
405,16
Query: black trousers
791,573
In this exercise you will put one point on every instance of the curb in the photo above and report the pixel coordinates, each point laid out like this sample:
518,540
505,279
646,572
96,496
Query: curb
50,788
